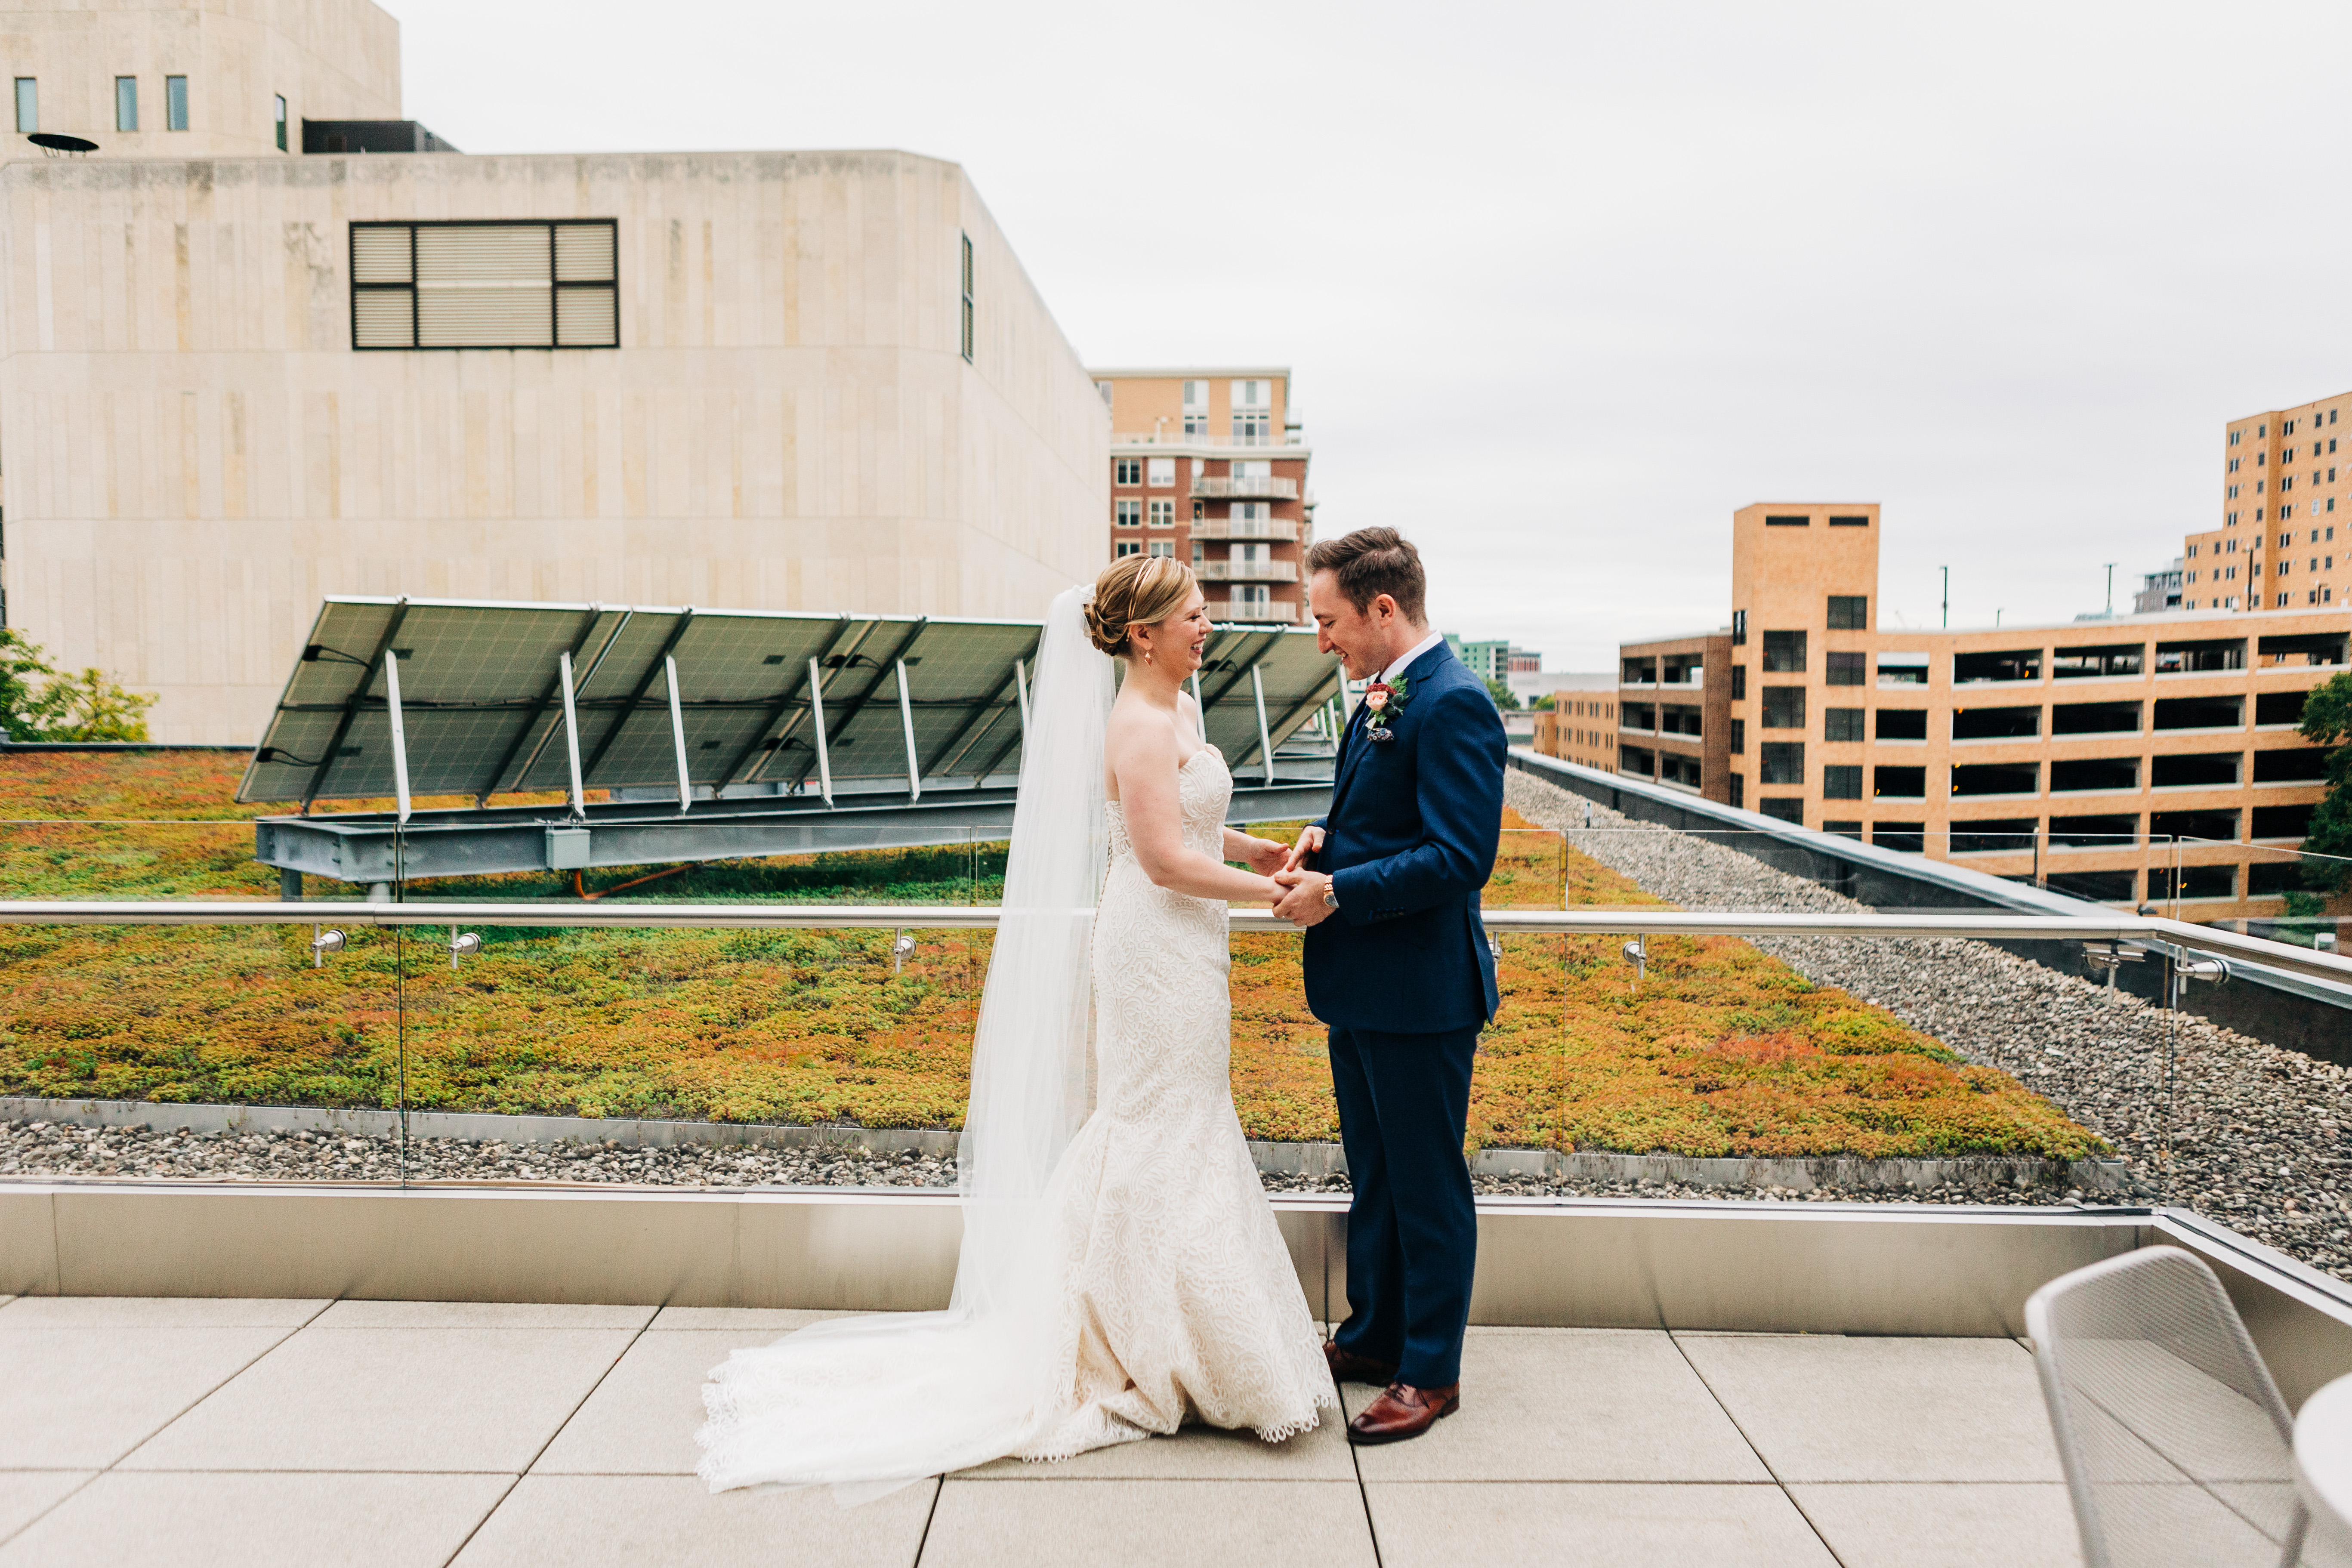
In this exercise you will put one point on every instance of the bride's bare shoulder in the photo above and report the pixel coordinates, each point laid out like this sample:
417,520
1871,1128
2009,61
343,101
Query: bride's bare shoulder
1139,731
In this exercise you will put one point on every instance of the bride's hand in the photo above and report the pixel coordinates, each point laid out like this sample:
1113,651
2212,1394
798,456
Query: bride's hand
1265,855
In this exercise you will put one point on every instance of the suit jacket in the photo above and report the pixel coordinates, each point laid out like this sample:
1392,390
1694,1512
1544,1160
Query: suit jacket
1409,840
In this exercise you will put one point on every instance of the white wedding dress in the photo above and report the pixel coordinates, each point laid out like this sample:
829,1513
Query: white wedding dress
1177,1298
1120,1271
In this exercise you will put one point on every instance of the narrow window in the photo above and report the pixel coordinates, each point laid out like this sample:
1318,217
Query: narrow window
28,104
281,122
967,299
1849,613
126,103
175,103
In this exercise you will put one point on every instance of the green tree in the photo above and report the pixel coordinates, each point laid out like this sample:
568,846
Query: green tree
1542,704
1505,698
41,702
2327,721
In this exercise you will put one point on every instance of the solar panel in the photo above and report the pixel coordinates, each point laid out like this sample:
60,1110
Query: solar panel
483,712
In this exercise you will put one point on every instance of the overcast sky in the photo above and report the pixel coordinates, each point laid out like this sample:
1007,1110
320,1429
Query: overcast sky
1564,285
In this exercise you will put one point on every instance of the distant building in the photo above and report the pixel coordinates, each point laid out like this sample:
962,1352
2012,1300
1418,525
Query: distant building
2142,757
1580,726
1495,660
2277,549
2158,591
1210,466
250,357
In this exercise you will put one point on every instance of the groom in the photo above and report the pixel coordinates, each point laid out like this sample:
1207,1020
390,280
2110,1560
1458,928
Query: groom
1397,966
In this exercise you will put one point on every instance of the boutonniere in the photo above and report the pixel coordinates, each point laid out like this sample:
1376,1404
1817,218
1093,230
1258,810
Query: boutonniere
1383,700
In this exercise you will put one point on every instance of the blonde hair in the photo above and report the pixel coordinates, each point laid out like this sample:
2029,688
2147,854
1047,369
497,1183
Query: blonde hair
1135,591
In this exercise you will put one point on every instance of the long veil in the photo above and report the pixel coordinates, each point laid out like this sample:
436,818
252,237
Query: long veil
869,1405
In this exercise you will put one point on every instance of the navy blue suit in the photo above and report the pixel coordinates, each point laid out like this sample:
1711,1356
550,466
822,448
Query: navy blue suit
1402,974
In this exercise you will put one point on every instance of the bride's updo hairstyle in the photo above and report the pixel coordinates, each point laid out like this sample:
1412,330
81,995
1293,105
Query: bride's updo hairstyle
1135,591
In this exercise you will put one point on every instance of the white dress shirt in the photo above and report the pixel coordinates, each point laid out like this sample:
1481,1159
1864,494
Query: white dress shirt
1423,647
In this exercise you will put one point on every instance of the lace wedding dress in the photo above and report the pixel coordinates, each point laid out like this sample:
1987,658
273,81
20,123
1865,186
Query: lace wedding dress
1120,1271
1178,1298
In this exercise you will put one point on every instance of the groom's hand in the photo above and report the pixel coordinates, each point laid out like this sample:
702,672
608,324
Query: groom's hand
1303,905
1310,840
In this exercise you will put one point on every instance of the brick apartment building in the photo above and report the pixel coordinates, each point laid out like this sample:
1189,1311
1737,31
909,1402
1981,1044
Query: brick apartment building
1209,466
2281,477
2075,754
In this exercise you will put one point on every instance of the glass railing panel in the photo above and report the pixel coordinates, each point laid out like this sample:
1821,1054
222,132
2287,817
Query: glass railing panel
697,1054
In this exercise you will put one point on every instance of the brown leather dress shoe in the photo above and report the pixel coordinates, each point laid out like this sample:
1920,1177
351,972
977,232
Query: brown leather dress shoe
1402,1411
1347,1366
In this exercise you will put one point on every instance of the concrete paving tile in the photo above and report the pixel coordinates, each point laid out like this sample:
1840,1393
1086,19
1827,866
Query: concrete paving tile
155,1312
774,1321
26,1495
1197,1454
82,1398
1834,1409
480,1315
642,1418
393,1399
1142,1524
1569,1404
632,1522
257,1521
1619,1524
2025,1524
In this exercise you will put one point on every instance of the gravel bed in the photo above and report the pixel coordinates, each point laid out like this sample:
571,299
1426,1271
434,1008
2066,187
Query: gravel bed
55,1148
2256,1135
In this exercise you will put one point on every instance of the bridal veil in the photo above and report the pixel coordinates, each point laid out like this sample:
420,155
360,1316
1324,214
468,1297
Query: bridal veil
871,1403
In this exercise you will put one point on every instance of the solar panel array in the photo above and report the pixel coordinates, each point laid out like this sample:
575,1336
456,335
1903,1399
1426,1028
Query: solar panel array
482,704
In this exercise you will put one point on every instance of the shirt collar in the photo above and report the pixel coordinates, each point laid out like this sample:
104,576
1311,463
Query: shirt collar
1401,665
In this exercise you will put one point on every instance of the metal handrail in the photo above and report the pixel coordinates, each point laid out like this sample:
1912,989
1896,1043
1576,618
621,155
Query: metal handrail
2147,931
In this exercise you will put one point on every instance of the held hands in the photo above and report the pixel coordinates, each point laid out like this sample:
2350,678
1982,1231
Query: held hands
1303,904
1263,856
1310,841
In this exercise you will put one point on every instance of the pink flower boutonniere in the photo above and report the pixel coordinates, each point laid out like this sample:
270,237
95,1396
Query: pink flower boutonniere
1382,700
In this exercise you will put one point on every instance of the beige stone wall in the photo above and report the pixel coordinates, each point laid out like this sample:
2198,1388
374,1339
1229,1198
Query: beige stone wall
193,454
331,59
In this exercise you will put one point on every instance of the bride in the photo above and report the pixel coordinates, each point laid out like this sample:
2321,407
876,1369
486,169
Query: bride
1121,1272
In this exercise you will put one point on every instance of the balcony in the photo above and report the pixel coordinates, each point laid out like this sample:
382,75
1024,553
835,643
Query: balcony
1283,529
1247,570
1166,437
1245,610
1249,486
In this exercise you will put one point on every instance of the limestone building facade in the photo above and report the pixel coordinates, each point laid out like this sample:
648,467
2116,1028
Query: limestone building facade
236,379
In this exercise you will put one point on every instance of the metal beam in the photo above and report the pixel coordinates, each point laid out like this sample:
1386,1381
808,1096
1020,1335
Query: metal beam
645,684
983,715
352,704
1265,741
1300,710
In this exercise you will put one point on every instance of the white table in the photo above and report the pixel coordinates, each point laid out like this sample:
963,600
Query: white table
2323,1463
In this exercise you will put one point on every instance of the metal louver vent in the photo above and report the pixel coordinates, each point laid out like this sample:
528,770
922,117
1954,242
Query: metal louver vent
535,285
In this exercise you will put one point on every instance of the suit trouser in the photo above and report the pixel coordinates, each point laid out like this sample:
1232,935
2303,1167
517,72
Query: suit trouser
1413,1226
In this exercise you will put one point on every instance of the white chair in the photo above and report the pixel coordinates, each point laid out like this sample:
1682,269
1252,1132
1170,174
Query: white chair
2177,1447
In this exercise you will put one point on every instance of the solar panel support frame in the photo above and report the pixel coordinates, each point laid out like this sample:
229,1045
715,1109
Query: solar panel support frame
628,709
676,733
351,703
399,734
907,724
572,732
816,709
1265,741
